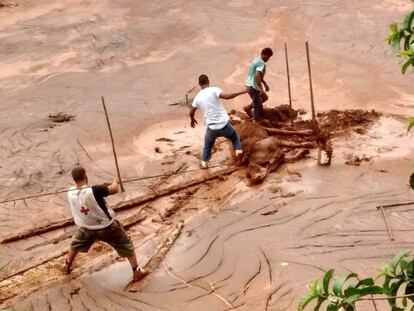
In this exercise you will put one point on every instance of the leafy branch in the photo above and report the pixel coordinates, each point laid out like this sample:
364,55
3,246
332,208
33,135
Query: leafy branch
345,291
401,38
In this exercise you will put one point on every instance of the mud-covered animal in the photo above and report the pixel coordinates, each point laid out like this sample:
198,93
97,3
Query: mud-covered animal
264,153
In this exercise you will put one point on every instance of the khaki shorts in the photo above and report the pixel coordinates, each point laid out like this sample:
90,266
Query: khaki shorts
114,235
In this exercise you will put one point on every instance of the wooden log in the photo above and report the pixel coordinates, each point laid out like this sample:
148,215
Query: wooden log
290,144
158,256
273,131
33,231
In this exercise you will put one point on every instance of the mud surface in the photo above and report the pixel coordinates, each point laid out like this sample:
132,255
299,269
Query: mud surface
240,247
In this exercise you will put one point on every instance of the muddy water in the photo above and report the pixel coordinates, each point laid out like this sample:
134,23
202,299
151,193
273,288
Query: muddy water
144,56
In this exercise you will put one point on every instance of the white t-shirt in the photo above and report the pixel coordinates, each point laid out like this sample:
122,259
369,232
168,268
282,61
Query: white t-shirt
85,209
215,115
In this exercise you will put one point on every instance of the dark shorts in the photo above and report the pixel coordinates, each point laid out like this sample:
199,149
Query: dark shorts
114,235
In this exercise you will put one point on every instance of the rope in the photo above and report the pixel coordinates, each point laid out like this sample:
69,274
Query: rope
124,181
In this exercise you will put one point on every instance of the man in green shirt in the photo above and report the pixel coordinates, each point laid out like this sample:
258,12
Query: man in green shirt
255,82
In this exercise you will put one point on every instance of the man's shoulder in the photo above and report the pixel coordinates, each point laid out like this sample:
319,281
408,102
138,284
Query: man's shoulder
258,61
207,91
100,190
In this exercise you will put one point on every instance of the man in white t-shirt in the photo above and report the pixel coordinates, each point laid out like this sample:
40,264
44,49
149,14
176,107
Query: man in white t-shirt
216,118
95,220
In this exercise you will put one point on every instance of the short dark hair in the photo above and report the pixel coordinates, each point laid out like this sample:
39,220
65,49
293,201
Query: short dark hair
203,80
267,51
78,173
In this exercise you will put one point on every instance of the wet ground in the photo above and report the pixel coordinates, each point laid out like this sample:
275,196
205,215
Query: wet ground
235,250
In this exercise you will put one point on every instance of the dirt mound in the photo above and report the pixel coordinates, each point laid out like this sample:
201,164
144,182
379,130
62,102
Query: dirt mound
273,141
340,121
61,117
273,116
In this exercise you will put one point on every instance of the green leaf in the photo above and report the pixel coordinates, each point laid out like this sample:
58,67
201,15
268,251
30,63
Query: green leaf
404,302
405,66
332,307
326,280
339,283
307,299
407,42
318,289
366,282
408,22
352,299
410,124
410,266
396,260
351,290
371,290
319,304
393,292
394,41
407,53
393,28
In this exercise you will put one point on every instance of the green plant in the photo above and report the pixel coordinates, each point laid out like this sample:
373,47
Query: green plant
345,291
401,38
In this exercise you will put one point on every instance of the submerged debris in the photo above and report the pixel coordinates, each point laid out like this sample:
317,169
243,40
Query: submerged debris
357,160
61,117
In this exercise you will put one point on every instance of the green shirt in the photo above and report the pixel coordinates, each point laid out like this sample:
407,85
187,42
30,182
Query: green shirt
257,65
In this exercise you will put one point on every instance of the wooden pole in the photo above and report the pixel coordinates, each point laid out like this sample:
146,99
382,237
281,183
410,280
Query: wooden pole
113,145
396,204
386,223
310,81
288,76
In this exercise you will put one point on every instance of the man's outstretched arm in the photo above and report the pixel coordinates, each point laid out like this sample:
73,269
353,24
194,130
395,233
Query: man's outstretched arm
232,95
192,113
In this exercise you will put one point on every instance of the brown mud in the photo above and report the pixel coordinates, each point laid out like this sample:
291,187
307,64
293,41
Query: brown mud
241,247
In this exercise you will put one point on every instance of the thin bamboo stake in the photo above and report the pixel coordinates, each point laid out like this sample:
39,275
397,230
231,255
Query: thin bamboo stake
310,82
288,76
113,146
386,223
